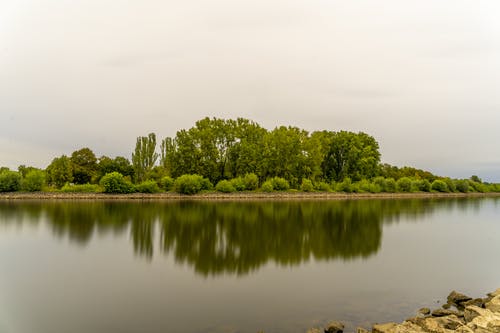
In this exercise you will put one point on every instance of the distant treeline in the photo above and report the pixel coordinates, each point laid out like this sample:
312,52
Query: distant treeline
236,155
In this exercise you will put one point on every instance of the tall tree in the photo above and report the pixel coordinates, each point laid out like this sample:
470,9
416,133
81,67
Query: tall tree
144,157
168,149
84,165
60,171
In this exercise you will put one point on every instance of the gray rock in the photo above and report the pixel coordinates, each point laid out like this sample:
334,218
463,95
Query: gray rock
424,311
457,298
334,327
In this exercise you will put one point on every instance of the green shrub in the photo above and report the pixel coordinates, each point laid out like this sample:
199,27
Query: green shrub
462,185
323,187
403,184
280,184
191,184
381,182
10,181
451,184
34,181
238,184
390,185
439,186
251,181
307,185
267,186
225,186
422,185
166,183
362,186
147,186
114,182
477,187
345,185
81,188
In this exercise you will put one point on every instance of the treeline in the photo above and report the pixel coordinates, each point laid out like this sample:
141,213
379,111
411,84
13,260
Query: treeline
236,155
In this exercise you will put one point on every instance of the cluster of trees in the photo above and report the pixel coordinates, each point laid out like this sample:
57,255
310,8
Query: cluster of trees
236,155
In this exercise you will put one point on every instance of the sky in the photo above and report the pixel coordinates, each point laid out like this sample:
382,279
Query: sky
420,76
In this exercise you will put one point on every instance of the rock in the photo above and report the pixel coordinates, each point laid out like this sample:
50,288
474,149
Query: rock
384,328
457,298
446,306
445,312
361,330
476,301
471,312
486,320
494,304
445,324
424,311
334,327
495,293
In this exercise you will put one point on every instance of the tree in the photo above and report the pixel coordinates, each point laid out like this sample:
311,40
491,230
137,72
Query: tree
33,181
168,148
118,164
84,165
10,181
144,156
60,171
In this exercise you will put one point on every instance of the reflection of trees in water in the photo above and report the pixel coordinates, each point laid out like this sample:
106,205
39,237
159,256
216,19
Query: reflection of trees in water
232,237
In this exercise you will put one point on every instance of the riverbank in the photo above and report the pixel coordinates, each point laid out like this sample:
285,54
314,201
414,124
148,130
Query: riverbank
460,314
236,196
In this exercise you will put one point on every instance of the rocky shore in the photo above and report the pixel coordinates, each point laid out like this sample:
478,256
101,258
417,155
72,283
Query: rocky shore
461,314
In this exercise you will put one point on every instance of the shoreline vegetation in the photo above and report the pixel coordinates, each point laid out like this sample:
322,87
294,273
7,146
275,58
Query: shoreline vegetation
239,196
238,156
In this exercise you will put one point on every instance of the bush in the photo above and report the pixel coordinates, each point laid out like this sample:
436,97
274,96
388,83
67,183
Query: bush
403,184
462,185
114,182
34,181
451,184
166,183
390,185
323,187
267,186
280,184
191,184
422,185
362,186
307,185
251,181
147,186
439,186
10,181
477,187
81,188
381,182
345,185
237,183
225,186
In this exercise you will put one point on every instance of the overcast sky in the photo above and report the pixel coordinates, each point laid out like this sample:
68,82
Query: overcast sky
422,77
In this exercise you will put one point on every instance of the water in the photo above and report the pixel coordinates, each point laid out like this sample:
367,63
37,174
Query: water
281,266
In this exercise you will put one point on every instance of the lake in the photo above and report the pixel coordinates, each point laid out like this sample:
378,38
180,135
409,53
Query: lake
275,266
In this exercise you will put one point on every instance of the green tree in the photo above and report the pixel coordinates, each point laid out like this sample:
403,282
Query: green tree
60,171
144,156
10,181
118,164
33,181
84,165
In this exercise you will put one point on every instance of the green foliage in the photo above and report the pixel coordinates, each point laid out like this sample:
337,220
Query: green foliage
84,165
307,185
476,179
147,186
60,171
33,181
267,186
345,185
462,185
10,181
280,184
119,164
238,183
81,188
225,186
450,184
403,184
478,187
144,156
167,183
24,170
390,185
191,184
322,187
251,181
381,182
439,186
115,182
422,185
390,171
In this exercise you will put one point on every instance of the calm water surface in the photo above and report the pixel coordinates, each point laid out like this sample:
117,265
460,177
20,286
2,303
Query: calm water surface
79,267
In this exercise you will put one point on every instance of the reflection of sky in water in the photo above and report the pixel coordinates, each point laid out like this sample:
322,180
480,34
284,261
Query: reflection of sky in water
227,267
